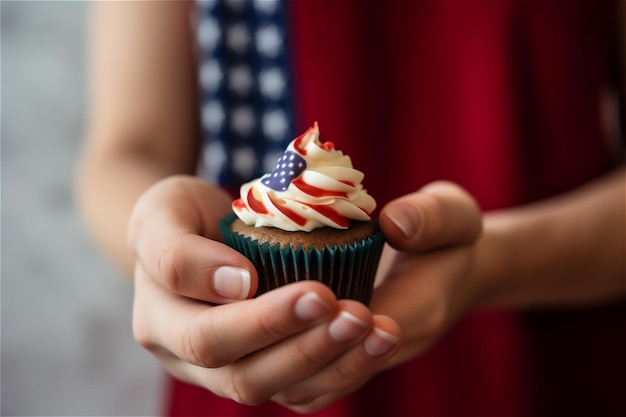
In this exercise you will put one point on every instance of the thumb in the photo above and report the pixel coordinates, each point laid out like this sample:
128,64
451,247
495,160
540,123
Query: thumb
439,214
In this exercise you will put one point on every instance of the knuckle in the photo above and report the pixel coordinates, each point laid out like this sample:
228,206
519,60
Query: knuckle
198,347
347,373
169,264
238,389
271,328
307,357
191,349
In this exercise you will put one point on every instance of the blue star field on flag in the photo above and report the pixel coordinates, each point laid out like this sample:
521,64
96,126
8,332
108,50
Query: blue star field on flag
288,168
244,74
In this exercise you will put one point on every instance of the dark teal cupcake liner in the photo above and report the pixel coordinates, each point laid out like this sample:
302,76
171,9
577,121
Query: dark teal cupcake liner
348,270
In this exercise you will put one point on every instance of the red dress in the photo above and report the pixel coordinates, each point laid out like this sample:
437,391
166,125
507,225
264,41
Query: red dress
505,99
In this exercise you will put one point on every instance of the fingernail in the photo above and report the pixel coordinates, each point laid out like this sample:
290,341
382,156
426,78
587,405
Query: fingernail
232,283
379,342
311,307
405,218
346,327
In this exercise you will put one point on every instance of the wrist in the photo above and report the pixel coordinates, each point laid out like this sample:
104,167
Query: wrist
484,282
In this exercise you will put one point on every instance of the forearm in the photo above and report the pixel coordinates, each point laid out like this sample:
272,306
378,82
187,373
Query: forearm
566,250
142,112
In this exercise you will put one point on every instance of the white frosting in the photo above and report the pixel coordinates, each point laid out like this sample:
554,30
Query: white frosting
313,185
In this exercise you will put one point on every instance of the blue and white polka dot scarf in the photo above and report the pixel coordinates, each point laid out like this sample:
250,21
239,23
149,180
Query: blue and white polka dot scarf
247,115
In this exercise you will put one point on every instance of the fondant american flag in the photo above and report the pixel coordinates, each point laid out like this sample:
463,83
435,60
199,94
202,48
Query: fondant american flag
288,168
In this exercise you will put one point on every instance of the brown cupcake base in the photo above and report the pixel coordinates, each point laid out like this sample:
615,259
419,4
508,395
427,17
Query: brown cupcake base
345,260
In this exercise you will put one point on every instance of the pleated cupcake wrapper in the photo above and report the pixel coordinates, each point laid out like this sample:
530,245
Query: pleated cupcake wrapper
349,270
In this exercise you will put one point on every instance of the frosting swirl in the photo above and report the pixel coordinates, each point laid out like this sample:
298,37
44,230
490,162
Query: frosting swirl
313,185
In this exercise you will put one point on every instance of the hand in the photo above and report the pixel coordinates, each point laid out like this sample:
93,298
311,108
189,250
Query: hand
424,283
430,279
293,344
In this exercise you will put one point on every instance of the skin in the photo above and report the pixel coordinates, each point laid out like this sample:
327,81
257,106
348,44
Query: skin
298,345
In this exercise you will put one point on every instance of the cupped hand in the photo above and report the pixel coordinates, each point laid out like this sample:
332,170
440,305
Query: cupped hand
428,280
425,282
193,311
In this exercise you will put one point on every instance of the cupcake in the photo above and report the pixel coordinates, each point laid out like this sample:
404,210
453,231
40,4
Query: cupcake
310,218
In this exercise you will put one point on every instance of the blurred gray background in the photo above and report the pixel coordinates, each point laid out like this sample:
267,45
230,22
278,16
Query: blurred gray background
66,342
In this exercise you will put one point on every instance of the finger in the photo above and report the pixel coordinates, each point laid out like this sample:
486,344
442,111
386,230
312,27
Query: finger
439,214
260,376
199,268
188,204
216,336
347,372
165,233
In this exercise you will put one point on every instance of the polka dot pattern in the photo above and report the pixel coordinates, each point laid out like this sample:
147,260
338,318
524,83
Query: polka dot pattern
246,114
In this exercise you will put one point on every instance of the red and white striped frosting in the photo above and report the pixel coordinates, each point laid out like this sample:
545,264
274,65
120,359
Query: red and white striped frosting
313,185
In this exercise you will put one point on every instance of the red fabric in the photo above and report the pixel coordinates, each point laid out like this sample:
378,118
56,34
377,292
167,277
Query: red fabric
502,98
